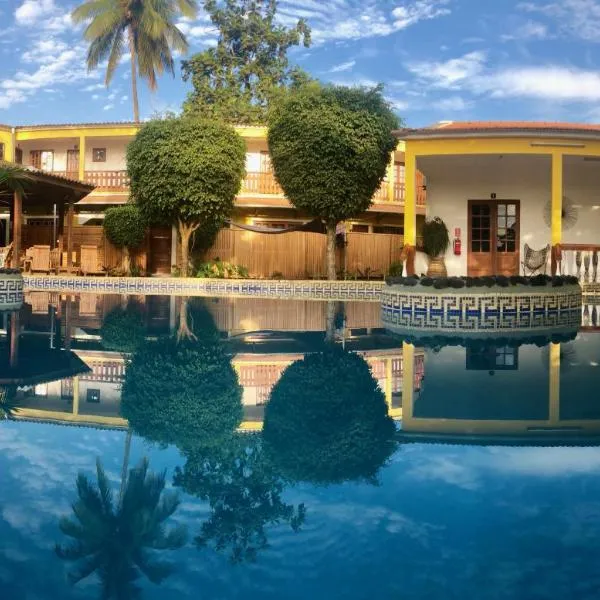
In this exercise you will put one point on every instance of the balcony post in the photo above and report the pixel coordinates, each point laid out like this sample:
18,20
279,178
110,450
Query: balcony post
81,157
391,174
70,219
410,209
17,227
556,204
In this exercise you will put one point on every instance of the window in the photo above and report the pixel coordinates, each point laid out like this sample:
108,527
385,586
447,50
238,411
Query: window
99,155
481,225
506,228
357,228
265,162
93,396
388,229
42,159
1,151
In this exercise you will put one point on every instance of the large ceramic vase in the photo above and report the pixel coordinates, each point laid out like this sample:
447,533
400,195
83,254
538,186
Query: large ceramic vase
437,267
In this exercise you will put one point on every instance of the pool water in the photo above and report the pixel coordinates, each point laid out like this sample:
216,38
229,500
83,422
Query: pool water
160,447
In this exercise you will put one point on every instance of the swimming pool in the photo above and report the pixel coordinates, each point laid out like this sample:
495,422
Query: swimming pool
384,466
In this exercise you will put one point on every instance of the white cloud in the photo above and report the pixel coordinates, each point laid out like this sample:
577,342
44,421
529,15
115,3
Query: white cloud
93,87
339,20
452,104
345,66
574,18
32,11
453,73
95,96
108,106
44,51
198,33
532,30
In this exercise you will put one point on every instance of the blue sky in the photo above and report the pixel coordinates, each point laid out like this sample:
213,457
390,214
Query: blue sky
439,59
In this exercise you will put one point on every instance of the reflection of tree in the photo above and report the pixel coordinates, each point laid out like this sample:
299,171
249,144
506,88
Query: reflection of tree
244,493
123,329
195,321
327,420
120,542
185,393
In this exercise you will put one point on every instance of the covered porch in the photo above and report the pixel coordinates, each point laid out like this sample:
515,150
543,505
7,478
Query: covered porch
499,187
46,243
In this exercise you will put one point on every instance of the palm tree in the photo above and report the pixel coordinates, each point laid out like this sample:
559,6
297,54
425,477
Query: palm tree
13,178
8,401
119,542
148,25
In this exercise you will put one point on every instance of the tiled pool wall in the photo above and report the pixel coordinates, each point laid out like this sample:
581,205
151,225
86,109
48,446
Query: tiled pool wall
518,309
11,292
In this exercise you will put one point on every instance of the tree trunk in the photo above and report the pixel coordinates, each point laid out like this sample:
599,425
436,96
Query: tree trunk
185,234
331,274
126,262
184,331
134,92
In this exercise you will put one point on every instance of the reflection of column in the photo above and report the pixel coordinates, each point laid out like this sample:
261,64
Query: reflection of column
388,383
75,395
14,339
554,384
408,381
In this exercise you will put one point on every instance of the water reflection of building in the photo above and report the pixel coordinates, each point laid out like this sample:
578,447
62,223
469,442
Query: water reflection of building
264,336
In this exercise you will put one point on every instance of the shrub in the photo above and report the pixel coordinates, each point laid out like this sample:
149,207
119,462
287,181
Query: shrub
436,239
123,329
218,269
125,228
396,269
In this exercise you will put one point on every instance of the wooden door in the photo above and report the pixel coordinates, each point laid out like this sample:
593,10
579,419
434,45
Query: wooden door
160,250
493,237
73,164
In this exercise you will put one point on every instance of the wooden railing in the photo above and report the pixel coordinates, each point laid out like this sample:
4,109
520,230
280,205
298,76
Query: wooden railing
261,183
74,175
108,180
590,316
580,260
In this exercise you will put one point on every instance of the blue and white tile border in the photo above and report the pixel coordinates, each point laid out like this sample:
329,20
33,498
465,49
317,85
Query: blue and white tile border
11,291
259,288
471,310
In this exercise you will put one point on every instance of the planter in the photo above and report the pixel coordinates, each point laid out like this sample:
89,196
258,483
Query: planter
437,267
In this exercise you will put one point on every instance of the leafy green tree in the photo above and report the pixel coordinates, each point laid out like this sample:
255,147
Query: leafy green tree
125,229
123,329
237,79
13,178
327,421
144,28
185,393
120,541
187,172
330,147
244,493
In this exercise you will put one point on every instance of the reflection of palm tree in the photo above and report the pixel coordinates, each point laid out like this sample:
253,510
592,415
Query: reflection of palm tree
8,401
119,543
245,496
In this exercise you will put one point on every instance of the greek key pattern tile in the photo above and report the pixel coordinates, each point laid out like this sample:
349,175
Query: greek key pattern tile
313,290
11,292
481,312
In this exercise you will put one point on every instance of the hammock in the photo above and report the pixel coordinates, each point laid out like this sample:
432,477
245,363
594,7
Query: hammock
314,226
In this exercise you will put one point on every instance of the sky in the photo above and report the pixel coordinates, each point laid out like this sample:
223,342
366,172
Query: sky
438,59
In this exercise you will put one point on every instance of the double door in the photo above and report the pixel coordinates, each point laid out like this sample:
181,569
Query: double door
493,238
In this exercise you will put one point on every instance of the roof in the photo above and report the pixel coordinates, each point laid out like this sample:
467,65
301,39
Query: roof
78,125
446,129
549,439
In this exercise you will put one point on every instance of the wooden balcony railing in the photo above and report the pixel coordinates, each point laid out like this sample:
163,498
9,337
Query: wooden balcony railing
590,316
381,195
108,180
257,182
580,260
74,175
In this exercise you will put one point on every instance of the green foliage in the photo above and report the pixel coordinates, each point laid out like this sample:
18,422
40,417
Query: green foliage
123,329
124,226
218,269
237,79
183,393
436,239
187,170
119,540
396,269
330,147
327,421
144,28
244,494
8,401
14,178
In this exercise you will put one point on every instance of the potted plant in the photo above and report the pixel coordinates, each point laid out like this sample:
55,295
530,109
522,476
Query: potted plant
436,242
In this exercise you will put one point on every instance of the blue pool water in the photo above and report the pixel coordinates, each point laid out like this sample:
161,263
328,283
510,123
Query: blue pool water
484,485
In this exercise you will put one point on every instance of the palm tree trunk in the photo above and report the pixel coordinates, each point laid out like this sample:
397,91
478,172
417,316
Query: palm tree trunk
134,93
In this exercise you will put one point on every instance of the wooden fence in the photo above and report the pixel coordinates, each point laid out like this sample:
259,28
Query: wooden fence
301,255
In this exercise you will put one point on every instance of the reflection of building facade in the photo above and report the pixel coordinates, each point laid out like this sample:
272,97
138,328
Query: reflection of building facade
263,338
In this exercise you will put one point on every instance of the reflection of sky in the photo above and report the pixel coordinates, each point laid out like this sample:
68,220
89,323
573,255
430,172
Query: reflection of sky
445,522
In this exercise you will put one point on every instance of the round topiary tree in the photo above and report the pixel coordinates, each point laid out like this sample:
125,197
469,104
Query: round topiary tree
182,393
126,229
123,329
330,147
327,421
186,172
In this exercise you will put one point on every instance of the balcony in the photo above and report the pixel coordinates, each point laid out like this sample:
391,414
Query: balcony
113,181
257,182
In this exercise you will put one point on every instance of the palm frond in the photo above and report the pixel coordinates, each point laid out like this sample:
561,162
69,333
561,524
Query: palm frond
116,52
14,177
93,8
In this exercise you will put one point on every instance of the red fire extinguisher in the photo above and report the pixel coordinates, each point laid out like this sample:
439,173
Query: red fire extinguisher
457,246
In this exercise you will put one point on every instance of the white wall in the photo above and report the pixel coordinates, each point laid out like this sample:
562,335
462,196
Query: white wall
453,180
116,149
59,147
